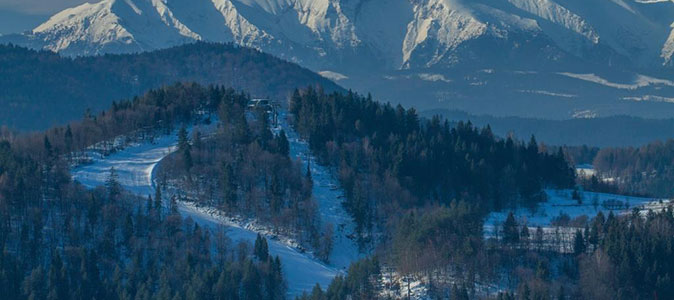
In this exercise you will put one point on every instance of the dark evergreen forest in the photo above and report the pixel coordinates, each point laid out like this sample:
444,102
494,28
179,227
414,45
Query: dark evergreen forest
389,160
61,241
648,169
41,89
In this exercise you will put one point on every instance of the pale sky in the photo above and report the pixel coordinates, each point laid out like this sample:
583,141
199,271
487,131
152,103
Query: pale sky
39,7
21,15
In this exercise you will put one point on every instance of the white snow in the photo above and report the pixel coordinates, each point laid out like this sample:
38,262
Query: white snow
584,114
651,98
433,77
328,195
558,14
400,34
334,76
548,93
585,171
560,202
134,166
639,81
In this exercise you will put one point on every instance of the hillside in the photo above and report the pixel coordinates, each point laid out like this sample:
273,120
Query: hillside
41,88
615,131
552,59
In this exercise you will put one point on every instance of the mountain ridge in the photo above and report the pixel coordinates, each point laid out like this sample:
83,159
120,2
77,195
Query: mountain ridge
309,31
373,46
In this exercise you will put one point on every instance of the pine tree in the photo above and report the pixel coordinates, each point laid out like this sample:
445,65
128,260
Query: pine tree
185,148
283,144
68,139
112,184
157,199
510,232
229,187
183,142
524,235
48,147
578,243
261,249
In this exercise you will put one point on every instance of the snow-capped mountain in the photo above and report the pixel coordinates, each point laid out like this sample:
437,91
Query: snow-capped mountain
393,33
345,39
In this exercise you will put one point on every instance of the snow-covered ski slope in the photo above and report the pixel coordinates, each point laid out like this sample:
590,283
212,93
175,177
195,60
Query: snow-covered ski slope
134,167
328,194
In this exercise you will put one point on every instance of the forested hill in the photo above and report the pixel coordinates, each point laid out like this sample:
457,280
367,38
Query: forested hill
643,170
60,241
41,89
390,160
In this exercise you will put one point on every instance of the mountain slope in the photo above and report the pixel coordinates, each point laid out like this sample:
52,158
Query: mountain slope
41,88
377,45
324,33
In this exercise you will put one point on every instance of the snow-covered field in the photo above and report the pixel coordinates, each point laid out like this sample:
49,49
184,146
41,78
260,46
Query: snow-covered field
558,236
329,197
134,167
560,202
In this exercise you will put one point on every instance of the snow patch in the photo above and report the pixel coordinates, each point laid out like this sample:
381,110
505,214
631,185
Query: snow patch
639,82
650,98
547,93
334,76
433,77
584,114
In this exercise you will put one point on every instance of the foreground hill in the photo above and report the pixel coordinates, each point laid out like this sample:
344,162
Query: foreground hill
41,88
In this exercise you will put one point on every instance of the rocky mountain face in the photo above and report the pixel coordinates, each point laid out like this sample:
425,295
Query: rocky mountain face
375,39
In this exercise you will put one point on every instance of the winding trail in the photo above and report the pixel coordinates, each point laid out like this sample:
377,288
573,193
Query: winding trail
134,167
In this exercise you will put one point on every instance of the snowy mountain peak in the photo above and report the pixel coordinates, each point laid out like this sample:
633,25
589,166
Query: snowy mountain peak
385,34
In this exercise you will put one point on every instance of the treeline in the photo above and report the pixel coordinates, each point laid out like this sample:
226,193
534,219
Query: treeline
647,169
614,257
156,111
633,257
42,89
60,241
360,282
243,168
611,131
388,160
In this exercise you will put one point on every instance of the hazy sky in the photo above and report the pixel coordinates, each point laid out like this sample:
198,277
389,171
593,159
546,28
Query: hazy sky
39,7
21,15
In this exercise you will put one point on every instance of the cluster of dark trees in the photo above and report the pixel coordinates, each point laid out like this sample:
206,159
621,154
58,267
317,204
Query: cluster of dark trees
41,89
360,282
611,131
60,241
388,160
642,170
613,257
243,168
157,111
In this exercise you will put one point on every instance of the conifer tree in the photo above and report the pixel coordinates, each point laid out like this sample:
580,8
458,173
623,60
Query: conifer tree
112,184
578,243
260,249
510,232
283,144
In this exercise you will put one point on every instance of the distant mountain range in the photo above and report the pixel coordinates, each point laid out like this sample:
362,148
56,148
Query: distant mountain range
609,56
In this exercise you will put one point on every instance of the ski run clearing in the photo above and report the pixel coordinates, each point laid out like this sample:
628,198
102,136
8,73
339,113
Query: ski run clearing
135,165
